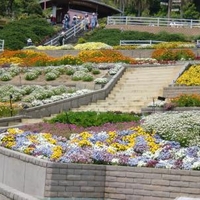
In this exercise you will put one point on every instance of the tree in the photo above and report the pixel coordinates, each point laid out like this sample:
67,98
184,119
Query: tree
190,11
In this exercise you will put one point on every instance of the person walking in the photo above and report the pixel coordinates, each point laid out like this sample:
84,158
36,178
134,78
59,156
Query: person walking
61,38
93,21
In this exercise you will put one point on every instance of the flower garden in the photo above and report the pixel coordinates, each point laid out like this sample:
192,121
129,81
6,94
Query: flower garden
165,140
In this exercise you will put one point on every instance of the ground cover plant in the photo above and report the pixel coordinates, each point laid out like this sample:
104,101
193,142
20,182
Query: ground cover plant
190,77
145,145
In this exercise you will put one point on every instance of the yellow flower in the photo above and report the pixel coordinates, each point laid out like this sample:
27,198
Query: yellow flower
57,152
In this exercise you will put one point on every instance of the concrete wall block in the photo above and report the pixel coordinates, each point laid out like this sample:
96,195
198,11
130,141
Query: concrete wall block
179,184
14,171
74,166
180,172
81,183
99,189
134,175
190,179
159,194
83,172
100,178
63,171
51,182
190,191
115,173
53,171
50,194
125,191
66,182
115,184
73,177
116,196
160,182
110,190
171,177
110,178
142,181
95,183
152,176
87,189
34,180
125,180
55,188
65,194
155,198
73,189
57,176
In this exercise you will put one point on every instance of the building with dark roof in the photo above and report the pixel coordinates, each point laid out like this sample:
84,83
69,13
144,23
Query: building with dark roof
61,7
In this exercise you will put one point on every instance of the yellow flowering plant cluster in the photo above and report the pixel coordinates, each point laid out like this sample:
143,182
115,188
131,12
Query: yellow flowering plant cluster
173,54
191,77
104,56
6,109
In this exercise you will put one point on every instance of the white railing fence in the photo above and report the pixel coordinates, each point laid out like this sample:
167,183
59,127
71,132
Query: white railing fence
73,31
2,45
151,21
139,42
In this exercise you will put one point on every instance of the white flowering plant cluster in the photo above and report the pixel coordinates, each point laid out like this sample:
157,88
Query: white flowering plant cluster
35,95
6,74
183,127
156,103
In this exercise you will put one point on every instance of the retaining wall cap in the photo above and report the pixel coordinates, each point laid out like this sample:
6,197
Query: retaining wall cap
4,189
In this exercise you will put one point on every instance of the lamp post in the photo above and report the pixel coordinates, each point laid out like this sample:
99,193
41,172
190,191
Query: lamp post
169,9
11,108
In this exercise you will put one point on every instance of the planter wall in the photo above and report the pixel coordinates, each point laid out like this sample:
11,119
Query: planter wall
174,91
47,180
149,110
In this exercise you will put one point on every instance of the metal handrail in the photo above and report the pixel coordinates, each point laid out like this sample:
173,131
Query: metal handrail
73,31
152,21
2,42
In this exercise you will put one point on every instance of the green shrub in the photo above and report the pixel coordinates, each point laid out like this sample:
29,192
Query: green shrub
33,27
91,118
187,100
31,75
96,71
81,40
87,78
50,76
6,76
70,71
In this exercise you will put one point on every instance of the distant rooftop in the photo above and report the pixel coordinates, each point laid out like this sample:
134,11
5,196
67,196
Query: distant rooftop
102,9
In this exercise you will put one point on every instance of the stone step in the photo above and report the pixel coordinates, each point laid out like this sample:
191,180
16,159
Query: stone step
136,89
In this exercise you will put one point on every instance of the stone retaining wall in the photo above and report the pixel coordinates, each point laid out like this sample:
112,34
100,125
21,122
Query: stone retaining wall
174,91
47,180
74,102
136,53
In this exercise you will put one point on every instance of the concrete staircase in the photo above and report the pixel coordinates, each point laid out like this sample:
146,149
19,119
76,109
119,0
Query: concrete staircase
136,89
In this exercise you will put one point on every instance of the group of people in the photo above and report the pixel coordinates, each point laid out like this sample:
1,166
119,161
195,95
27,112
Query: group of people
86,21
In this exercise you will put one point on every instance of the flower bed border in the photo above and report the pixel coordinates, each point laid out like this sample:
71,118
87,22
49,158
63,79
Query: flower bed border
42,179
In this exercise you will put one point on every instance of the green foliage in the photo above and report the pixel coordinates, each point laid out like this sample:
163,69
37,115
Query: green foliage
87,78
32,27
50,76
92,118
113,36
190,11
96,71
168,37
5,111
81,40
187,100
6,77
